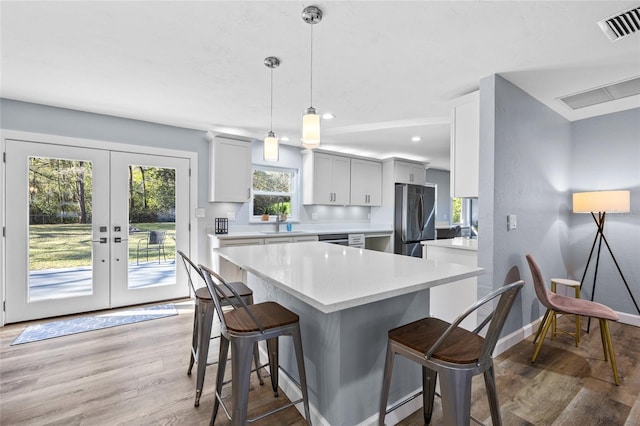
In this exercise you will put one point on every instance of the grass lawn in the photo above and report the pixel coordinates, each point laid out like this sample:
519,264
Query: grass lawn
69,245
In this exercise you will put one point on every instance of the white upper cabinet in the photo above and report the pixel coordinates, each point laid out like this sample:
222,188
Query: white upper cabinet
366,182
326,178
407,172
465,146
229,170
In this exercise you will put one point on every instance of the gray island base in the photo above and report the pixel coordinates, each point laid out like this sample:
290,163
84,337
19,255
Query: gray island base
347,299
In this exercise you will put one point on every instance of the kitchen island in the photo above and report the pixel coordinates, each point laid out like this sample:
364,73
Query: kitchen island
347,299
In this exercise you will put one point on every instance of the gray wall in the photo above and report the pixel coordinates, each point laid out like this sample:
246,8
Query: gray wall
531,161
443,203
606,156
524,170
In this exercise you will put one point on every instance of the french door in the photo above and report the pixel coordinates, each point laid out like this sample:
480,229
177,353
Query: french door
90,229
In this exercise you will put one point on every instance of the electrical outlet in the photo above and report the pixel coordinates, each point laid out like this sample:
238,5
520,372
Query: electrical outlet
368,215
231,215
200,212
314,216
511,222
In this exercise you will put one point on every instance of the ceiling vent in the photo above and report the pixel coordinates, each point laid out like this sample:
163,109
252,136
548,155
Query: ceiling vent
607,93
621,25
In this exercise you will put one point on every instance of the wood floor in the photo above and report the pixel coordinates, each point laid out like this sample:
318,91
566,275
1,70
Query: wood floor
136,375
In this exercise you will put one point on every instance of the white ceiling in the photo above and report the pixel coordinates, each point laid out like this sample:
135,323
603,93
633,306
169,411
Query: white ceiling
388,70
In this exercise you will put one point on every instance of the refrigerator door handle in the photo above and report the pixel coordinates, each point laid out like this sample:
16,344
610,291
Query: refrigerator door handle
421,211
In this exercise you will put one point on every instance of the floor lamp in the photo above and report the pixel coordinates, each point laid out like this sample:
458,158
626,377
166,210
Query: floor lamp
602,202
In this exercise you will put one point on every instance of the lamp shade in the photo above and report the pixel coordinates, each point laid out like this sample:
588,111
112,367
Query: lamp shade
271,147
311,129
601,201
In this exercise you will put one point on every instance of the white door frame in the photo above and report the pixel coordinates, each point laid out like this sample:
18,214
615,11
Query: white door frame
97,144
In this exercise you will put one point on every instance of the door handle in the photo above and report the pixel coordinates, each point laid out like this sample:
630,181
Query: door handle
103,240
117,240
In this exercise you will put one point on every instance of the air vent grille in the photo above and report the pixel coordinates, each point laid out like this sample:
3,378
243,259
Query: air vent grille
603,94
621,25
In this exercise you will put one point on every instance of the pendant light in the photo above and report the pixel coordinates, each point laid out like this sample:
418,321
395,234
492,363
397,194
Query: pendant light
271,147
311,120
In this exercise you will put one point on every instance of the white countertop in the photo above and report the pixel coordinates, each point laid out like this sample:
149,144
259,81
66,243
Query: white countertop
454,243
331,278
266,231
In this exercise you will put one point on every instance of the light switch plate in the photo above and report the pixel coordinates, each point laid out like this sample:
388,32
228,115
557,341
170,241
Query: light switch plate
314,216
511,222
200,212
231,215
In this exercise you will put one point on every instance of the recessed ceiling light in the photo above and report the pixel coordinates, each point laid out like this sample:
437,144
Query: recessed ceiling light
284,139
328,116
416,139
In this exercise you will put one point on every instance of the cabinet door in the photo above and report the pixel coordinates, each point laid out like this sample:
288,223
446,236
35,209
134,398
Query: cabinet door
341,180
410,173
230,170
465,145
366,183
322,179
277,240
305,238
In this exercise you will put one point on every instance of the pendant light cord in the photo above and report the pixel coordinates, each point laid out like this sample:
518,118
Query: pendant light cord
311,85
271,121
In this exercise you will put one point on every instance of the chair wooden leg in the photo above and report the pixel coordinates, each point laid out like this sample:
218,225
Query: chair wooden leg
455,386
386,384
545,329
544,319
429,378
492,395
604,324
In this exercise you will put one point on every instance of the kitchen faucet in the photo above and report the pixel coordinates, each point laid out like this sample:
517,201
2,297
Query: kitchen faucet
279,204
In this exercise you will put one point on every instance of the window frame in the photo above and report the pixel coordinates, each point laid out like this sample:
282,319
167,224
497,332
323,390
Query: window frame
294,214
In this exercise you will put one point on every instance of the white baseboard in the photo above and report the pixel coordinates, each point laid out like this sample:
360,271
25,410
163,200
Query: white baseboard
516,337
629,319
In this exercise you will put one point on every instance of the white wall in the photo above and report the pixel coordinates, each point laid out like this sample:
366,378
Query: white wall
443,203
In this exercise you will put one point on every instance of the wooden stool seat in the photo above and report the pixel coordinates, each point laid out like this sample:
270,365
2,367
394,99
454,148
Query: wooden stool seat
269,314
460,347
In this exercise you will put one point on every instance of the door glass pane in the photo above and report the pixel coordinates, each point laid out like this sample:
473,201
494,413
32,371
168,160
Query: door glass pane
60,248
152,225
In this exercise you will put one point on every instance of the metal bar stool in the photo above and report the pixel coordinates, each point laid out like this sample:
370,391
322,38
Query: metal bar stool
242,328
203,322
454,353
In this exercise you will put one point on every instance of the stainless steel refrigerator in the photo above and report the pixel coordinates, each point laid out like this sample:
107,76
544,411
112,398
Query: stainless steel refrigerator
414,218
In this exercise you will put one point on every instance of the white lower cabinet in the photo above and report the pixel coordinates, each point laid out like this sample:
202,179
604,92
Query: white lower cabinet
448,301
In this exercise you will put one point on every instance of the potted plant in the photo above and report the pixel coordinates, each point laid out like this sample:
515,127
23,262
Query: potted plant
266,213
282,210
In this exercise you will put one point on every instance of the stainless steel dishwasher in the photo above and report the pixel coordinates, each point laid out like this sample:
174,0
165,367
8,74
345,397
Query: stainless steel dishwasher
340,239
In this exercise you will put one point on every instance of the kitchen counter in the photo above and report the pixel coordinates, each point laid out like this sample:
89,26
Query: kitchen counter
347,299
453,243
332,278
267,230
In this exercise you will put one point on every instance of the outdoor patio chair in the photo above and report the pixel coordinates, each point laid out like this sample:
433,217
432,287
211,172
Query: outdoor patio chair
153,243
